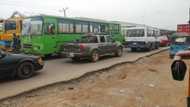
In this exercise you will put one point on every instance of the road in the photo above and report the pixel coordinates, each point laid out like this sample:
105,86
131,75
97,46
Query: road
63,69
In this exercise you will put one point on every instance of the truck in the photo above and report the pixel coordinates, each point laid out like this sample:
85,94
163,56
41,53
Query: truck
183,28
92,47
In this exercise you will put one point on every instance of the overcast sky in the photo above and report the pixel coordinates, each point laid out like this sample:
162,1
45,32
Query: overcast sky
159,13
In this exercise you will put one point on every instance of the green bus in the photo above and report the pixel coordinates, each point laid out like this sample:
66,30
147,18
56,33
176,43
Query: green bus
44,35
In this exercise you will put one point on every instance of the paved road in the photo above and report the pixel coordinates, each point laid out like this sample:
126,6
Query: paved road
62,69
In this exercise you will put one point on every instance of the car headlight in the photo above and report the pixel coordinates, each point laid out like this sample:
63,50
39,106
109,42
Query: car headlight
40,61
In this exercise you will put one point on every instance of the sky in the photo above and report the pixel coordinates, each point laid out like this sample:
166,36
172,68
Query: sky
165,14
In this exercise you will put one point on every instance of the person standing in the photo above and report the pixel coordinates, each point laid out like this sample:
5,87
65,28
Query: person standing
16,43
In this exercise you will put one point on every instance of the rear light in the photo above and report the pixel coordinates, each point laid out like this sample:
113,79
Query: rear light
82,47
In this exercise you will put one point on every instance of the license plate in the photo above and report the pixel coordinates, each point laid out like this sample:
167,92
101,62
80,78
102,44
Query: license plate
134,43
71,54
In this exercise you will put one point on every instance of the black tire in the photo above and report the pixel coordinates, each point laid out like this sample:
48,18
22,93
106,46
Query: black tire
25,70
119,52
94,56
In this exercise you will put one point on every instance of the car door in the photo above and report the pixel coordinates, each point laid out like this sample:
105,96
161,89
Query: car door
111,45
102,45
3,63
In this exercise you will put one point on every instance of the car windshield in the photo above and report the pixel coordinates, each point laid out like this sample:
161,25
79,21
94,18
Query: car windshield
32,27
88,39
135,33
1,28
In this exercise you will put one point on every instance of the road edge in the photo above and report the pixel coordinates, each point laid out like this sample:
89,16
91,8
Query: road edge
85,74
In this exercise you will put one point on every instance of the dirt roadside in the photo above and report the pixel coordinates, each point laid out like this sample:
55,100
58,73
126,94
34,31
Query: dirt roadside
146,83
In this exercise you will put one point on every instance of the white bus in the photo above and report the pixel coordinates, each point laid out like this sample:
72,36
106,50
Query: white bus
144,37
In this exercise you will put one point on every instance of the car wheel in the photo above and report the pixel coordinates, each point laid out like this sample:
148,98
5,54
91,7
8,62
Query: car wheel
119,52
95,56
25,70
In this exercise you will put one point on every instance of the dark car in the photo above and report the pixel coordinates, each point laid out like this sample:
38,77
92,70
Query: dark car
92,47
19,65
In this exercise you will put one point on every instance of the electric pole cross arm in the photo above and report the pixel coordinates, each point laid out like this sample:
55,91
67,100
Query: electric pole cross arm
64,10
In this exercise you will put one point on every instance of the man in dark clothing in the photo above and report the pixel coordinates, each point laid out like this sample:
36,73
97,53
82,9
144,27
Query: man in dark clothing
16,42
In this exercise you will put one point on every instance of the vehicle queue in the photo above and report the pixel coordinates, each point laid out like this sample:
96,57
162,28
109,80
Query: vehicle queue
45,35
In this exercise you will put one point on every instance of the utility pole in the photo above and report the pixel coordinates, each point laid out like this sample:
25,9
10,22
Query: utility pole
64,10
189,21
189,15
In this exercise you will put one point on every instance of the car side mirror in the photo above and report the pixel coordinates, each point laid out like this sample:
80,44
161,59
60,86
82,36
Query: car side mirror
178,70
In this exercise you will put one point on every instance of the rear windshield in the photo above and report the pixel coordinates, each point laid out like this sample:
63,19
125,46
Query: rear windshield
181,40
88,39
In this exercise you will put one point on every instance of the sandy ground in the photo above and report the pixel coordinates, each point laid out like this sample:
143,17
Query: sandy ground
146,83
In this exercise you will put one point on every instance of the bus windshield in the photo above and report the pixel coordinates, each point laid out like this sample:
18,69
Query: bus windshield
10,25
135,33
1,28
32,27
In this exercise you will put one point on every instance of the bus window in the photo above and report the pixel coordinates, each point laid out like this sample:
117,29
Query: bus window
85,28
78,28
150,33
63,27
96,28
49,28
91,28
71,27
10,25
66,27
102,28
